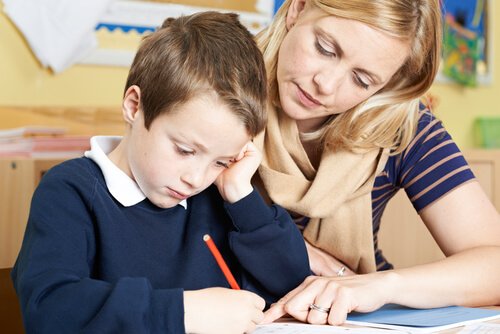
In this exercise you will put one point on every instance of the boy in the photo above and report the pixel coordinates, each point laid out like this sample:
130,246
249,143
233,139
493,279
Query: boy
114,239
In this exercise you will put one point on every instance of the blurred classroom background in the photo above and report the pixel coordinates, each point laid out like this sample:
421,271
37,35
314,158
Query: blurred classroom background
84,99
93,92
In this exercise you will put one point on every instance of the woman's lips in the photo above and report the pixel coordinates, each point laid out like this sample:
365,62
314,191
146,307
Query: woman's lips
306,99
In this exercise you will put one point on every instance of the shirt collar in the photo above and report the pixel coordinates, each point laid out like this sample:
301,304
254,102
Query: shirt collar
120,185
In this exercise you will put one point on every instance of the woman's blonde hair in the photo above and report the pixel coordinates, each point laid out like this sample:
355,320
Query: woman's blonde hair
388,118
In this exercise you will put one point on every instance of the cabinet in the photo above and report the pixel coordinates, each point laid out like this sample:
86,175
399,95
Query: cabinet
18,180
403,237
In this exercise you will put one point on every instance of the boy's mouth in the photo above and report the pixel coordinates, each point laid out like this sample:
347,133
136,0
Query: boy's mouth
177,194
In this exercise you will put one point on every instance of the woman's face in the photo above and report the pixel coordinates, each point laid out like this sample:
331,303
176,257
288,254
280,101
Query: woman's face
327,65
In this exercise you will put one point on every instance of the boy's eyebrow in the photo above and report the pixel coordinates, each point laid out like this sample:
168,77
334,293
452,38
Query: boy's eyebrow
340,53
200,146
204,149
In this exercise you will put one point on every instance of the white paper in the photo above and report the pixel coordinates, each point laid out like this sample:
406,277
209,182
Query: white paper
60,32
300,328
481,329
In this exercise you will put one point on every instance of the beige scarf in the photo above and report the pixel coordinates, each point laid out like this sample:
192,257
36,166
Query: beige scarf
336,197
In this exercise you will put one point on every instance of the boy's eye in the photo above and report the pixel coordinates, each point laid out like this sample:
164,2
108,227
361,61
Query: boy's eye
184,151
221,164
324,50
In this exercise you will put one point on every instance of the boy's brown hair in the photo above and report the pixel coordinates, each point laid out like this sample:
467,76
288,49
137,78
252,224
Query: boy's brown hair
196,54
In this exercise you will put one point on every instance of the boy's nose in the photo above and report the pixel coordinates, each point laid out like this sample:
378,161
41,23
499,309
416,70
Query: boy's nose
194,177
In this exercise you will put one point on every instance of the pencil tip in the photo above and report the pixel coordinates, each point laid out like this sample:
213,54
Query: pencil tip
206,237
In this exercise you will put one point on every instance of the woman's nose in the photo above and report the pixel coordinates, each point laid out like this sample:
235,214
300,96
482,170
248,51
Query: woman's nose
329,79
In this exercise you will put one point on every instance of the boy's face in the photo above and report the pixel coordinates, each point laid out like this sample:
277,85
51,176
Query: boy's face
184,151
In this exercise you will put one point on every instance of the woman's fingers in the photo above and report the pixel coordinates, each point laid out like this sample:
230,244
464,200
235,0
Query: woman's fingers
322,300
340,308
281,307
276,311
318,300
299,306
320,310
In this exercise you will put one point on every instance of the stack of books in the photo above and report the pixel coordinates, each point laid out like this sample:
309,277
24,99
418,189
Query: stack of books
41,142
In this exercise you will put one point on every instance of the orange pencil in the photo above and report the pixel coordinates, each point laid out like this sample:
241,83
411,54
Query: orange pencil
220,261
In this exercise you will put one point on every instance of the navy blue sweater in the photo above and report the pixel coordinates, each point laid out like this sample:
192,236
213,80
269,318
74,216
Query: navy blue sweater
90,265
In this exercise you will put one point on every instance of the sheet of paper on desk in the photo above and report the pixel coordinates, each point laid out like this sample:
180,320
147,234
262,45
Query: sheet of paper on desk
422,321
481,329
300,328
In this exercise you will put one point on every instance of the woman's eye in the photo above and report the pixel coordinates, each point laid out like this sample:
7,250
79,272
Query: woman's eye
324,50
360,82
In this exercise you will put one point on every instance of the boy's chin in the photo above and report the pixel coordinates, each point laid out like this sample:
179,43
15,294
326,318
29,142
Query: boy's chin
167,203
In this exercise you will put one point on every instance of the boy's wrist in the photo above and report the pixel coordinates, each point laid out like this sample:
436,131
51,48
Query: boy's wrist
234,194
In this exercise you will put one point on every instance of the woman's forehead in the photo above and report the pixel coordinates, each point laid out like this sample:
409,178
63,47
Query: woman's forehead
361,45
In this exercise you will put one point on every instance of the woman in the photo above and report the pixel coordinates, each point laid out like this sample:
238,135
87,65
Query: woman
346,131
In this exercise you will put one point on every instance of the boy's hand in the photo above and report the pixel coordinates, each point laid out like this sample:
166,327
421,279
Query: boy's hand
221,310
235,182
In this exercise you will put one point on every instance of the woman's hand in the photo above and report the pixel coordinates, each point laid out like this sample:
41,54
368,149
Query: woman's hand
234,183
338,296
221,310
323,264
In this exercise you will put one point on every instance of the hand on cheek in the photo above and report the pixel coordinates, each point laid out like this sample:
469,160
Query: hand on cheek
234,183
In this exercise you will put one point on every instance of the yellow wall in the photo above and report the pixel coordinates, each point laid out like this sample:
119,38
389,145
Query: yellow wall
24,83
459,106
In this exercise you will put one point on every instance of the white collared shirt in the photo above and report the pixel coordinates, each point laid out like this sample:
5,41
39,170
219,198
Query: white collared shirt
120,185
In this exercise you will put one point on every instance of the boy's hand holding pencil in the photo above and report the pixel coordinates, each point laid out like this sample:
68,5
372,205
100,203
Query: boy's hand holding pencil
221,311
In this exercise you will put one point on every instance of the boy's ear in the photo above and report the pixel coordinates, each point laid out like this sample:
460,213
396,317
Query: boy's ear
296,7
131,103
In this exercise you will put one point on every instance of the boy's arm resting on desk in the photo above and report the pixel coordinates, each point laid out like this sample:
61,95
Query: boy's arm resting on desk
268,244
53,272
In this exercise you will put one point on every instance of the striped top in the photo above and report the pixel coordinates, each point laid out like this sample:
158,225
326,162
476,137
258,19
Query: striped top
431,166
